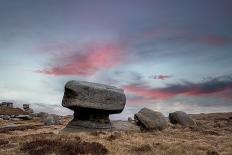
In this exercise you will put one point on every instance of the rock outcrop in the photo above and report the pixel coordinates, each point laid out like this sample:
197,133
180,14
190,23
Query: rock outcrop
92,103
180,117
27,108
6,104
150,120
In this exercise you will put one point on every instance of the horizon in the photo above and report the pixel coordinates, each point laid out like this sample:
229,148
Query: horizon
167,56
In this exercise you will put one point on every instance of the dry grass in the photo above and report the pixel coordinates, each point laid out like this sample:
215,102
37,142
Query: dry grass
3,142
18,128
213,135
12,111
61,146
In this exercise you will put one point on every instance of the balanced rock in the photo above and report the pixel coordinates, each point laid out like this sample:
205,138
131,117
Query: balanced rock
150,120
92,103
180,117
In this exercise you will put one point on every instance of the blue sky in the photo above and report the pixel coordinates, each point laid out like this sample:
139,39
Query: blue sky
166,55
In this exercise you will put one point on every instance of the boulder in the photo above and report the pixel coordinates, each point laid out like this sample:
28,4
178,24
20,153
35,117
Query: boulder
92,103
150,120
180,117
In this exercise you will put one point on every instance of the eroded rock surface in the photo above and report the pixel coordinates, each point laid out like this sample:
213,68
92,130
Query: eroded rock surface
92,103
151,120
180,117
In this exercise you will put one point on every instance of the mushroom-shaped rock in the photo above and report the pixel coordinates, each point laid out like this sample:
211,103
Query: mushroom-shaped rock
180,117
151,120
92,103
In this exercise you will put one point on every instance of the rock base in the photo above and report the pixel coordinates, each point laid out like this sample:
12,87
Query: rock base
115,126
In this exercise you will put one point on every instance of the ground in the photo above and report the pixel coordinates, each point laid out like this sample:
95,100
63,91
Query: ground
212,136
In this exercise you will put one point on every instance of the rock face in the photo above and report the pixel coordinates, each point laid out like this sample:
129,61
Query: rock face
151,120
92,103
180,117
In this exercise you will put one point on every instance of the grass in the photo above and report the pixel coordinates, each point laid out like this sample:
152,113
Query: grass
3,142
63,146
18,128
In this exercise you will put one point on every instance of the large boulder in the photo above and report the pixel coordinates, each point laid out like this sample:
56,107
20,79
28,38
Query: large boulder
92,103
180,117
151,120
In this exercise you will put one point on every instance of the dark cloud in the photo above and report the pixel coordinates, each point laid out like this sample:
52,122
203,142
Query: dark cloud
219,86
162,77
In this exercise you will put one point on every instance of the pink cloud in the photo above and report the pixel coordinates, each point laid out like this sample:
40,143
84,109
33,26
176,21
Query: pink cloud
88,61
214,40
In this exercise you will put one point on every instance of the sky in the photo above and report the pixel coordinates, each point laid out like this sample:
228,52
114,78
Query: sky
167,55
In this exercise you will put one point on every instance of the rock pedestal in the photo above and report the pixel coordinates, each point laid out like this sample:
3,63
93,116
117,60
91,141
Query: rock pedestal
92,103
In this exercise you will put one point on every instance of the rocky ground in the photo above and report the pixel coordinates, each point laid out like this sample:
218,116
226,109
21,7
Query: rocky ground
212,136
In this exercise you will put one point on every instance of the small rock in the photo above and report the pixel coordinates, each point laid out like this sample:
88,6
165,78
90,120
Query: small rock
24,117
6,117
52,120
130,119
15,119
180,117
49,120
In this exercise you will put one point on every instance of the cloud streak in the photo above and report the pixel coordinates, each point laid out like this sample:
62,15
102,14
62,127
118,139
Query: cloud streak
86,62
217,86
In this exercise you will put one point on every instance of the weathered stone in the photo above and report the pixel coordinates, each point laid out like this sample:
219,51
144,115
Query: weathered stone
24,117
180,117
15,119
130,119
6,104
51,119
42,115
92,103
26,106
150,120
6,117
93,95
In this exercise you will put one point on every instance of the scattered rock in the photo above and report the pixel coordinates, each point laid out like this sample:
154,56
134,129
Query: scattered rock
130,119
6,104
150,120
27,108
180,117
24,117
49,120
15,119
92,103
6,117
52,120
42,115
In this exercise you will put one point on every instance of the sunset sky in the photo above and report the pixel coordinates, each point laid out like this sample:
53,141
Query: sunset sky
167,55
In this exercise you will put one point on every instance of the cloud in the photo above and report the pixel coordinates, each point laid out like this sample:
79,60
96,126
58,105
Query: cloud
214,40
86,61
217,86
161,77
